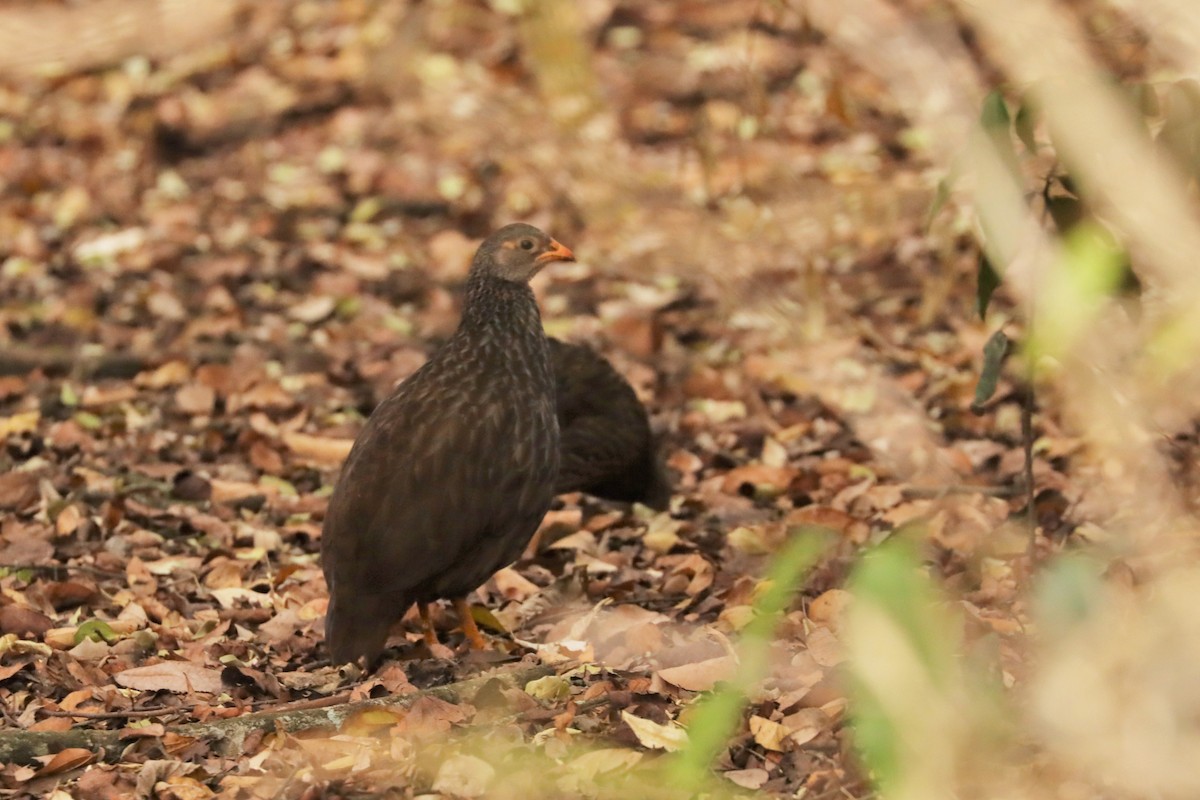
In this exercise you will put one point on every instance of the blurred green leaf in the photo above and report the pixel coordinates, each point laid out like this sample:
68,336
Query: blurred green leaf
88,421
905,682
716,715
986,282
1025,124
68,396
994,115
1068,591
994,352
998,124
1093,267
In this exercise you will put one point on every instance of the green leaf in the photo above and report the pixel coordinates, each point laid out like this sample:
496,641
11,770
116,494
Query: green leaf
993,360
986,282
96,630
998,126
484,617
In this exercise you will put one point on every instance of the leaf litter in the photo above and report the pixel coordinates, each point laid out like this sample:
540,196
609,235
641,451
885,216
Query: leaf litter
219,314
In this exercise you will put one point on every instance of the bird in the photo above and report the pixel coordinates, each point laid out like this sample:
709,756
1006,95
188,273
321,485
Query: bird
452,473
607,448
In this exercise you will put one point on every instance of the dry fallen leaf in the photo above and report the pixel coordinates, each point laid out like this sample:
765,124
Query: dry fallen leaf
464,776
805,724
66,759
669,737
700,676
768,734
171,676
747,778
318,449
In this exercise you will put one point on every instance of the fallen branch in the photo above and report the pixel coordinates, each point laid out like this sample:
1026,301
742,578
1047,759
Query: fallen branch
229,735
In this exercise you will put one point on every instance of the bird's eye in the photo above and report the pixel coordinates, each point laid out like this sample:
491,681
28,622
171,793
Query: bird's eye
527,244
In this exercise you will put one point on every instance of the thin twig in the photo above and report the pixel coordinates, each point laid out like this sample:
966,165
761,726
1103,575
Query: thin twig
937,492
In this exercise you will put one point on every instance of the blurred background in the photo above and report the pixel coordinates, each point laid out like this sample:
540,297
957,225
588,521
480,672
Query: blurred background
228,228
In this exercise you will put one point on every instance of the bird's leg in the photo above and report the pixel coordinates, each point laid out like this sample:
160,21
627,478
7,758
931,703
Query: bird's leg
468,624
427,624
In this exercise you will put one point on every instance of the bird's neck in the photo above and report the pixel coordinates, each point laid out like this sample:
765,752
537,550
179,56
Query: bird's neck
498,311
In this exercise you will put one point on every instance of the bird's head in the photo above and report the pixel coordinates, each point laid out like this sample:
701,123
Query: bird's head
516,253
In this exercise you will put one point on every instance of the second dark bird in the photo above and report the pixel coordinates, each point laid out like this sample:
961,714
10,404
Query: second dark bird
607,449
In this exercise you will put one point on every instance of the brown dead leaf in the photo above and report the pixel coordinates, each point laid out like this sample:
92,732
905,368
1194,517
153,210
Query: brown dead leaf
762,480
24,621
319,449
511,585
195,399
829,608
18,489
171,373
65,760
232,491
152,731
265,395
171,676
669,737
826,517
266,458
753,778
700,676
101,396
825,647
431,716
464,776
805,724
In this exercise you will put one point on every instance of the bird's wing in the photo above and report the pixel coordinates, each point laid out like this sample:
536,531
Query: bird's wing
434,489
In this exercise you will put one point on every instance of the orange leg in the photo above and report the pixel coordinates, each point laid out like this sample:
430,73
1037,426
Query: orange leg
468,624
427,624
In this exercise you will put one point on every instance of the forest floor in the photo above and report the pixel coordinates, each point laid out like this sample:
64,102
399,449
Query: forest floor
214,267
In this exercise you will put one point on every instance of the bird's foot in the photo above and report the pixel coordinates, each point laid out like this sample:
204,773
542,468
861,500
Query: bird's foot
469,628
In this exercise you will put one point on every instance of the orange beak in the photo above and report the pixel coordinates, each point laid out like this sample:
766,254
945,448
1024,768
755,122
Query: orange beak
557,252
